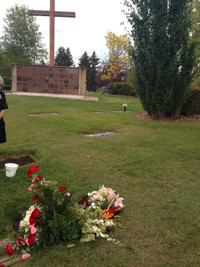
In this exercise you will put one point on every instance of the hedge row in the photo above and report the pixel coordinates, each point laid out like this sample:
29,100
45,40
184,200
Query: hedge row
191,104
123,88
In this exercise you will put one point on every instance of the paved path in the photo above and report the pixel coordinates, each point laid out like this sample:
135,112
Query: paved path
76,97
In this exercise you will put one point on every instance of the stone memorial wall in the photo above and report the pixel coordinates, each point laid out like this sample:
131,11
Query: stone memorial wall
48,79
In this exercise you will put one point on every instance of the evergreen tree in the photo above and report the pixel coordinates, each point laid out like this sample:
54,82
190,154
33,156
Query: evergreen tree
84,62
91,65
64,57
94,63
162,56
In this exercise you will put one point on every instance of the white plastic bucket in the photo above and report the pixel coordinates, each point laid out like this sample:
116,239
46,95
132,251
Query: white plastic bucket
11,169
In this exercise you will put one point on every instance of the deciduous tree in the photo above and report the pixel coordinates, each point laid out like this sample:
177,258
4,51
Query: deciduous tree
119,48
21,41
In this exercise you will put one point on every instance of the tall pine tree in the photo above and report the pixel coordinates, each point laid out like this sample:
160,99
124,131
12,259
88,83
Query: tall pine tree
91,65
94,63
64,57
162,56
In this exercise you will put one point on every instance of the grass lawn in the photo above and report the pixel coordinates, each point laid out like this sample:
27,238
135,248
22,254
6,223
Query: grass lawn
153,165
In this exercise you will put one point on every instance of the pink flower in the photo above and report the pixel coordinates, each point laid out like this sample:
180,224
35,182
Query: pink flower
30,188
28,242
67,194
33,181
33,230
25,256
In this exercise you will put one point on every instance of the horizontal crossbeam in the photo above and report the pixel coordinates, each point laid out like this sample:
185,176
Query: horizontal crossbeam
55,13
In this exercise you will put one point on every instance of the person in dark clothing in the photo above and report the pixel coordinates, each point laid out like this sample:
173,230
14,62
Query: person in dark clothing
3,106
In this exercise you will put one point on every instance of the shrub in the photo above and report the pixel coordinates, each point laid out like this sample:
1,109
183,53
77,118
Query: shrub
191,104
123,88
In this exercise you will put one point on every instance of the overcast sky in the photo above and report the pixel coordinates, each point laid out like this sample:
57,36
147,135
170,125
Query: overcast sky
86,32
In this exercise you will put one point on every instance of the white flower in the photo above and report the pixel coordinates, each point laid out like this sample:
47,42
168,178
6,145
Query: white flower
22,223
27,217
94,229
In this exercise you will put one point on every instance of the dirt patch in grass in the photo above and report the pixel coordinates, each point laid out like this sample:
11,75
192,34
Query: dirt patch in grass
192,118
21,160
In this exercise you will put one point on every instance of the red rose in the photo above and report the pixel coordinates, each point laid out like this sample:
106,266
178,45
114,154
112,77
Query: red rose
31,239
35,212
29,174
31,170
32,220
34,197
2,265
62,188
9,249
19,241
86,202
40,177
38,187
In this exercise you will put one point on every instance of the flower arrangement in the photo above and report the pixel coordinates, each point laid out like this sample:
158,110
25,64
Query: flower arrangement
54,217
124,106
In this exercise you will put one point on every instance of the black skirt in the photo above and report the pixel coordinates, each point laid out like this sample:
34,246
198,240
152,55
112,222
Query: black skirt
2,131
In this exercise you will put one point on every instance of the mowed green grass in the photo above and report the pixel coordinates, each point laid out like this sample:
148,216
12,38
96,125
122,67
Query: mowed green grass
155,166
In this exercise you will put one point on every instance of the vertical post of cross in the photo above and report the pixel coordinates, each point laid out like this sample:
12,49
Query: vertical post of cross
52,31
52,14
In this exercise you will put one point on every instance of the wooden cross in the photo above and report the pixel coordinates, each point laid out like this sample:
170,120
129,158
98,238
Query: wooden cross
52,14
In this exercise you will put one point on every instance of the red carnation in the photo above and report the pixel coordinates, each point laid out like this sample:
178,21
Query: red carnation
9,249
32,220
35,212
31,239
62,188
34,197
38,187
40,177
19,241
32,170
85,201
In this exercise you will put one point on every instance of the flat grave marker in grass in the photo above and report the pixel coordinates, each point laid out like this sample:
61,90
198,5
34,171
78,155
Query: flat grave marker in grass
102,134
42,114
120,111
